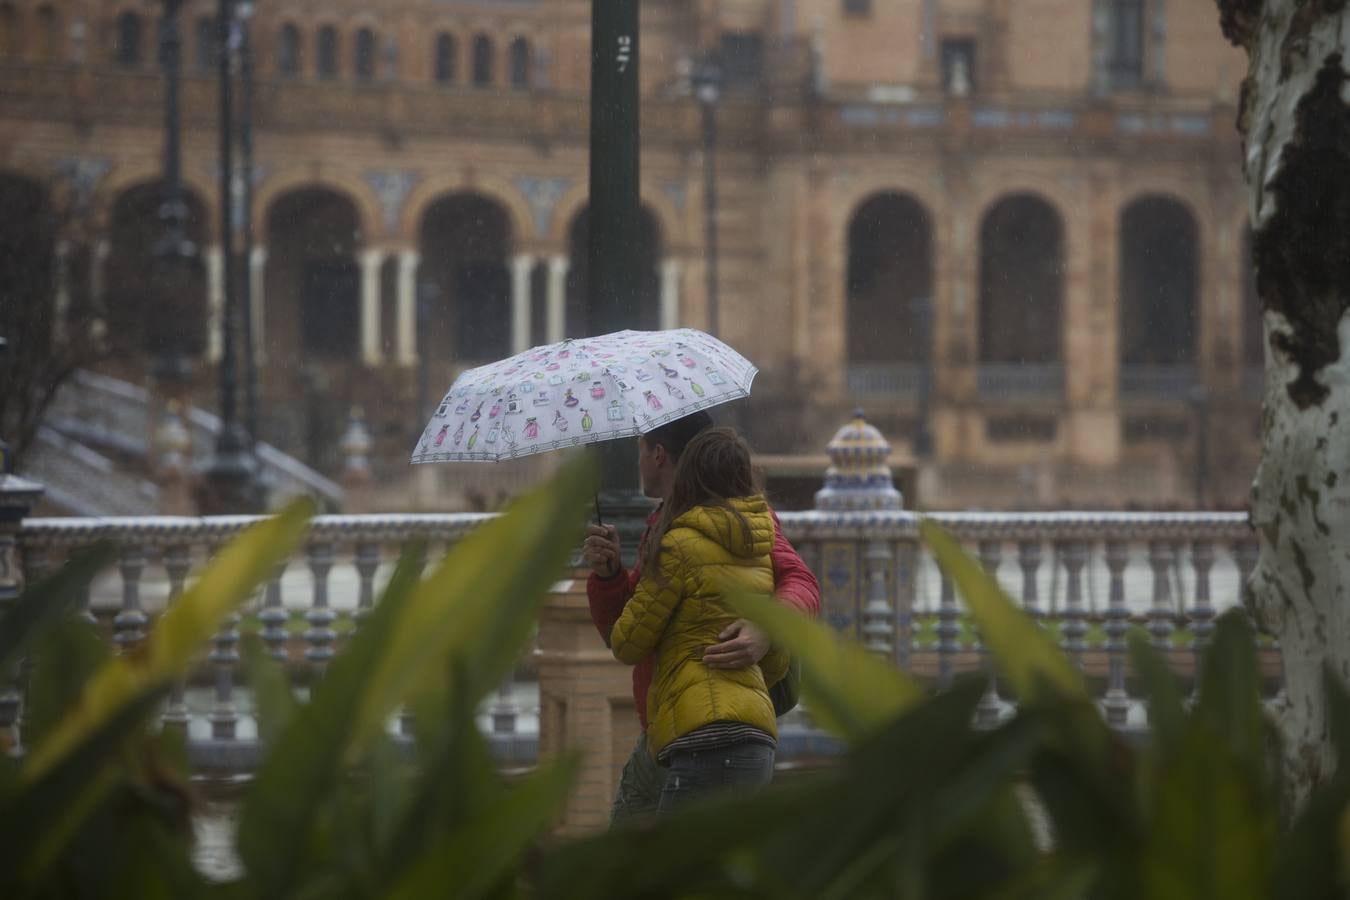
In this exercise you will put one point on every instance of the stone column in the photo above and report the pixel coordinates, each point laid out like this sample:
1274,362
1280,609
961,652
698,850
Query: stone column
215,301
406,337
522,265
371,261
671,269
61,306
557,297
18,496
257,275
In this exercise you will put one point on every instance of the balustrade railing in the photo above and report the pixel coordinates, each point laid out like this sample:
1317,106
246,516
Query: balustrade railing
1088,579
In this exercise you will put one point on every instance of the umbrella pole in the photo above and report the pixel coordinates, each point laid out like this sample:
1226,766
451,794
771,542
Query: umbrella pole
598,520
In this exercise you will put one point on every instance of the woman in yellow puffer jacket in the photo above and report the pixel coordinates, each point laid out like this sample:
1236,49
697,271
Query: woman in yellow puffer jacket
712,727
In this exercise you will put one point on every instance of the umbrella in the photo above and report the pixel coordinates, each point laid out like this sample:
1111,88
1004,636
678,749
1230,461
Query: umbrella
582,391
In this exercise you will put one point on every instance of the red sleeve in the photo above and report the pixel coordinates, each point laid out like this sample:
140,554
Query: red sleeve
607,597
793,581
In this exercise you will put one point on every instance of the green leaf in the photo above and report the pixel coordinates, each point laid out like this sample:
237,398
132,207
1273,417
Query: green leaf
274,702
39,821
849,691
1212,833
1166,716
473,612
64,658
479,602
1230,694
1029,659
171,645
46,601
480,854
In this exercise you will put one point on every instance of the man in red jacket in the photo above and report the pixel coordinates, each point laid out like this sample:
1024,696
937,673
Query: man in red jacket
611,585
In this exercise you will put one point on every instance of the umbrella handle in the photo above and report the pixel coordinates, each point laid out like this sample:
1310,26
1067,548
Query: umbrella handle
598,520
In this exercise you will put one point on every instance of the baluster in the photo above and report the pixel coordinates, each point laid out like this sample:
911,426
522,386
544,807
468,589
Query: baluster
320,635
947,631
177,561
990,705
1160,623
224,716
878,617
1029,558
1202,614
906,574
504,711
367,561
274,618
1074,554
129,623
1117,700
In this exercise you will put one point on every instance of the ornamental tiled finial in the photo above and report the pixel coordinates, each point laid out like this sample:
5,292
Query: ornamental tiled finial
859,476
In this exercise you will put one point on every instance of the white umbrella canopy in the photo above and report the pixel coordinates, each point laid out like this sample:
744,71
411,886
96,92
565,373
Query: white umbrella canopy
581,391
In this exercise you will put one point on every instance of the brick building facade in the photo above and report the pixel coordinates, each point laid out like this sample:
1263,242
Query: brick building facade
1020,222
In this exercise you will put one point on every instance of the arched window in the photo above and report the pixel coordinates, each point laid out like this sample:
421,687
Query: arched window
206,44
365,54
128,49
48,33
520,63
328,52
482,60
446,58
1125,43
11,41
288,51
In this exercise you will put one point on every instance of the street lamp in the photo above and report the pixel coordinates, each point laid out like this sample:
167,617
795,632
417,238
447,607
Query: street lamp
707,84
231,483
243,26
176,264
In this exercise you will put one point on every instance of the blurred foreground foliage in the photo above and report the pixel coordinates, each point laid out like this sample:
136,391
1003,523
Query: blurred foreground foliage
1049,804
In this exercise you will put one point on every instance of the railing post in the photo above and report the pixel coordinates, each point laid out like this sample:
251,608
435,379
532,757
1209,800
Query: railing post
1029,559
1117,700
1162,615
878,625
129,623
224,715
17,498
947,631
274,618
177,560
320,635
990,705
1075,555
906,572
367,561
1202,614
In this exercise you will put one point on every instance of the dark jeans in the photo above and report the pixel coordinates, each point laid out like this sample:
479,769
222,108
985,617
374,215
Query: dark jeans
696,774
639,786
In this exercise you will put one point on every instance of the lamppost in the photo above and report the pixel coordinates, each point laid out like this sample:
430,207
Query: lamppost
176,264
707,85
921,312
231,477
613,254
243,27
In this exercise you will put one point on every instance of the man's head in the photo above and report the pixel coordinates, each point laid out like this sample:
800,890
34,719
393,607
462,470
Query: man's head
659,450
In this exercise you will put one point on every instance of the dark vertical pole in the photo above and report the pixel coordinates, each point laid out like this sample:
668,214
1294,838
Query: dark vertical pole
231,484
614,251
710,206
173,212
246,230
229,312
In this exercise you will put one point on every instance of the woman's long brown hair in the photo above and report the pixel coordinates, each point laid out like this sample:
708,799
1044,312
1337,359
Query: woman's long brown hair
714,468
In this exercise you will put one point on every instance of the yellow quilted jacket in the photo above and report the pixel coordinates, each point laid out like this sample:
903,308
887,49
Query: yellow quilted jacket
704,554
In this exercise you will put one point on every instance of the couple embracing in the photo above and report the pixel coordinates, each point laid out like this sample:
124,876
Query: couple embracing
705,682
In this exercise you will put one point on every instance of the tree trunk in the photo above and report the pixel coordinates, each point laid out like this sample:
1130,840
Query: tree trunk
1295,127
